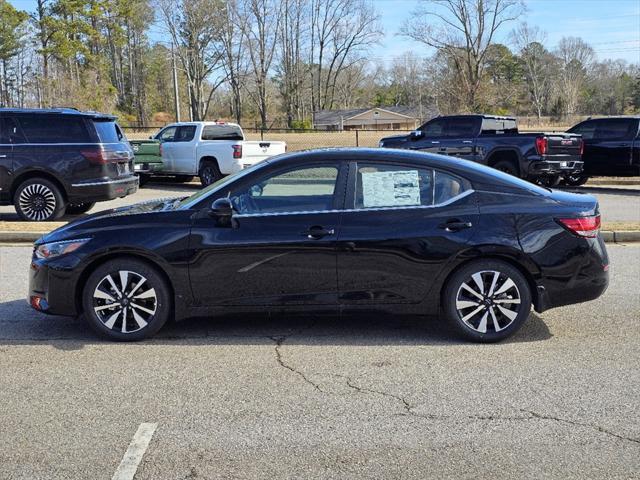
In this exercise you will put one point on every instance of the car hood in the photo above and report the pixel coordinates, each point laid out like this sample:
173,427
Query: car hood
106,218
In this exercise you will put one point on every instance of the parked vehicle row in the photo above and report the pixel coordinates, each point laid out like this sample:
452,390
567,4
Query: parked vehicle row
335,230
61,161
495,141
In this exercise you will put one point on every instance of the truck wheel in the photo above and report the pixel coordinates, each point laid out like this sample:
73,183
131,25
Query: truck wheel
78,208
143,179
506,167
576,180
209,173
39,200
183,178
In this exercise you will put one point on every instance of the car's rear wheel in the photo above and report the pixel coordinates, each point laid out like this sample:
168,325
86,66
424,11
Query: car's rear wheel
39,200
209,173
126,300
79,208
487,300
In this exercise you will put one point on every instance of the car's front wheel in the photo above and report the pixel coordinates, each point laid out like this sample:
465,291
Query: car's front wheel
126,300
487,300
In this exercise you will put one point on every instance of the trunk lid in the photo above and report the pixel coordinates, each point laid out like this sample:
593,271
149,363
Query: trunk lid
578,204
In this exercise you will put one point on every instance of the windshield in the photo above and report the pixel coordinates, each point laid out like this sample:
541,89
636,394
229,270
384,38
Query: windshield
191,201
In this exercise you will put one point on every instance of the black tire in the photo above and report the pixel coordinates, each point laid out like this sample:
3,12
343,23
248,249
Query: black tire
209,173
459,304
183,178
143,180
549,181
575,180
39,200
153,300
79,208
507,167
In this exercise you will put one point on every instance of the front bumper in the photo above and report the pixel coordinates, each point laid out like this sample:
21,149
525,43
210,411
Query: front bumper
556,167
52,286
103,189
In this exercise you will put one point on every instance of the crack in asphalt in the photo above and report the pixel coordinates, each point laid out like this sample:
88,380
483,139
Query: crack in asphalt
279,341
580,424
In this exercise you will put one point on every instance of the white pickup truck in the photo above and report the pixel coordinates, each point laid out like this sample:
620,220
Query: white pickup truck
210,150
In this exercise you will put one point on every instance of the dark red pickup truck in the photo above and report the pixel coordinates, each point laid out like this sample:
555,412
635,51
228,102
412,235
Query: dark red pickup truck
495,141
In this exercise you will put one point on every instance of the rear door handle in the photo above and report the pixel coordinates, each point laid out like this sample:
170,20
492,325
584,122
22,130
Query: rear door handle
3,156
455,225
434,142
317,232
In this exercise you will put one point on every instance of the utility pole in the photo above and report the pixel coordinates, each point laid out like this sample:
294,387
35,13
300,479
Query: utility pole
176,98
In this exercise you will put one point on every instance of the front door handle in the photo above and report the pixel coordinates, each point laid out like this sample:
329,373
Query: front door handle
455,225
317,232
3,156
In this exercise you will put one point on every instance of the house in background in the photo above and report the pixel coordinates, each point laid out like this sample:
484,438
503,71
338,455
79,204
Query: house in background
377,118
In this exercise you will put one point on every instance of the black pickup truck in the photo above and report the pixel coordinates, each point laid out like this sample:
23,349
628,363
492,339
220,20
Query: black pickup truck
545,158
611,148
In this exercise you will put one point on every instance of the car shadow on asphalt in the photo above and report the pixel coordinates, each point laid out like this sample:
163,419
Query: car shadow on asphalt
20,325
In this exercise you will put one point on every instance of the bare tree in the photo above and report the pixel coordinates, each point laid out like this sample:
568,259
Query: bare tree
536,62
341,30
195,28
261,31
233,48
463,30
575,57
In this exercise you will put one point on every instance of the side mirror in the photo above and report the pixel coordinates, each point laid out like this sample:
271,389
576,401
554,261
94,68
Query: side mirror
222,211
416,134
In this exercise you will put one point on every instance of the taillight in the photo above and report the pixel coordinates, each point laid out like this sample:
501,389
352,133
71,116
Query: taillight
237,151
97,156
582,226
581,147
541,145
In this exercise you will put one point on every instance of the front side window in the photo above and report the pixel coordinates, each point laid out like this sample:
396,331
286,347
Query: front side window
388,186
167,134
434,128
305,189
185,133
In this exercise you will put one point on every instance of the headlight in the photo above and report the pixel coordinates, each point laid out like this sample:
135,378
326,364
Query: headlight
55,249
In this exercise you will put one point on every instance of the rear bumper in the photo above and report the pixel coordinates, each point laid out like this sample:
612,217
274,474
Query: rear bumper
98,190
556,167
148,168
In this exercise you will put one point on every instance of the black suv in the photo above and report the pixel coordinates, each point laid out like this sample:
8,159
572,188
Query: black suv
61,161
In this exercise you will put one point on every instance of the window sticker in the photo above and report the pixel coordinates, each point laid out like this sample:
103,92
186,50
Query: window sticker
390,189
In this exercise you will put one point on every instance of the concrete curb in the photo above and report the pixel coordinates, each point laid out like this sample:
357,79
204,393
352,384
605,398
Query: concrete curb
607,235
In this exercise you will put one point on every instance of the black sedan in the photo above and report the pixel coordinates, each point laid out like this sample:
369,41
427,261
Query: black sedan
331,230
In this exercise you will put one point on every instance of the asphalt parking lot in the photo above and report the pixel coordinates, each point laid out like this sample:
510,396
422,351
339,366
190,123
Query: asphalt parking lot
314,397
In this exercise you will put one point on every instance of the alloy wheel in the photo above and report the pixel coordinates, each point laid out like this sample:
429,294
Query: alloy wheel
125,301
488,301
37,202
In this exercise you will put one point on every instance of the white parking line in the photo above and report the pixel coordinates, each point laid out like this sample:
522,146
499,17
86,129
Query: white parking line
133,455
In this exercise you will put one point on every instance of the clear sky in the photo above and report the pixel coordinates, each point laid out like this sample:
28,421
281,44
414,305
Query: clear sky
612,27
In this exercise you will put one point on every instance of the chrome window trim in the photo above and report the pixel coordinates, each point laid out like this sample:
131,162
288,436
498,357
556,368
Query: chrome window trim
358,210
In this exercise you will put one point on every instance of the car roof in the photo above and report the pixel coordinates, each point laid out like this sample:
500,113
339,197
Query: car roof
57,111
482,176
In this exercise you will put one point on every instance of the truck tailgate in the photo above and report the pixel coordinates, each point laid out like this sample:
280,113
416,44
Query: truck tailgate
563,144
257,151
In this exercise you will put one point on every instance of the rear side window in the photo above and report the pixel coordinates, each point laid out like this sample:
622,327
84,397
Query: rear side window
615,129
586,129
54,129
221,132
462,127
108,131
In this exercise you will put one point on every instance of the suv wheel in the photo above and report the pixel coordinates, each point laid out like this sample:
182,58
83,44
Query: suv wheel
487,300
209,173
39,200
79,208
126,300
576,180
506,167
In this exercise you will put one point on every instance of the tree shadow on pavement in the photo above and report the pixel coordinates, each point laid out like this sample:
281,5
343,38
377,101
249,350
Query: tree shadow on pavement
20,325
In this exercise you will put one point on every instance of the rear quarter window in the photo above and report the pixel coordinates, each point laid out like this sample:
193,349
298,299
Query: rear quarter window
108,131
54,129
